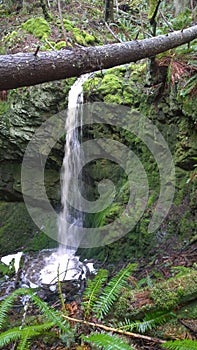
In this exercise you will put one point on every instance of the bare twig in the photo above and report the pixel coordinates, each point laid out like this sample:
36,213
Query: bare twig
165,20
142,24
48,43
37,49
112,33
115,330
61,20
116,2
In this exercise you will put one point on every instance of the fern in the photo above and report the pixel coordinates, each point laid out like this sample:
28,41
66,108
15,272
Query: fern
112,291
108,342
7,303
24,342
92,291
180,345
150,321
51,314
24,333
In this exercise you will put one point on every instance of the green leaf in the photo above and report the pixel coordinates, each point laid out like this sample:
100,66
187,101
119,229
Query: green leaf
180,345
50,313
108,342
7,303
92,291
111,292
24,342
20,333
150,321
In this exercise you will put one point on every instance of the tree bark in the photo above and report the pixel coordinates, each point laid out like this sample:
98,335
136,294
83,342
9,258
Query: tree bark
25,69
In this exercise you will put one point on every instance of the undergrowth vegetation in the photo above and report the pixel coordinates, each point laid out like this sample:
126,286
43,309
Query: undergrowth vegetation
89,322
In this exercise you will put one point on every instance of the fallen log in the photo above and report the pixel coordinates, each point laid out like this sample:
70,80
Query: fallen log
166,295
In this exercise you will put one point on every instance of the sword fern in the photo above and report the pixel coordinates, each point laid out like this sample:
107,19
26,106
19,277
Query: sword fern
108,342
25,333
150,321
111,292
185,344
92,291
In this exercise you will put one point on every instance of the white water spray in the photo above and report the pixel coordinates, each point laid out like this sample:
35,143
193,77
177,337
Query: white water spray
69,218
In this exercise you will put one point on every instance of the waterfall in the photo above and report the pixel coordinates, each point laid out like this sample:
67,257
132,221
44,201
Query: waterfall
70,217
42,268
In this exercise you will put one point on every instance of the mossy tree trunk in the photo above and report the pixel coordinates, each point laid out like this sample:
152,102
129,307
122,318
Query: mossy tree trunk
164,296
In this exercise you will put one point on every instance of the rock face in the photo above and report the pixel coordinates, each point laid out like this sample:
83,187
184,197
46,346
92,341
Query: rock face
172,112
27,109
21,115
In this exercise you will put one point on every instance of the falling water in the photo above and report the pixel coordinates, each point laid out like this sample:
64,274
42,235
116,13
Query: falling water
44,267
70,218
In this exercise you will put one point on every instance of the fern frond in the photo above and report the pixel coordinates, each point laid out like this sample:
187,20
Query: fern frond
180,345
24,342
111,292
7,303
22,333
92,291
108,342
53,315
152,320
126,325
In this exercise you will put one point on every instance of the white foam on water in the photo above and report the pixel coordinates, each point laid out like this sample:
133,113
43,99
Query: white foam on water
7,259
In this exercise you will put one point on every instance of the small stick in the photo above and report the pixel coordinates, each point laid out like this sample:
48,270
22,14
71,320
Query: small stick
115,330
51,46
62,22
165,20
37,49
111,31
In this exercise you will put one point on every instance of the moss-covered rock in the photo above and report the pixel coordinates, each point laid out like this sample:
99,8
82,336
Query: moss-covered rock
165,107
38,27
18,231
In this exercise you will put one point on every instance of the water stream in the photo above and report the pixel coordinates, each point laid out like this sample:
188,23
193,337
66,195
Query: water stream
42,268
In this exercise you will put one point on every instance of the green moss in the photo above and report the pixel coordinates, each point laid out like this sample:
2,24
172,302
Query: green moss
60,45
90,39
10,38
79,37
18,232
68,25
167,295
38,27
4,107
119,85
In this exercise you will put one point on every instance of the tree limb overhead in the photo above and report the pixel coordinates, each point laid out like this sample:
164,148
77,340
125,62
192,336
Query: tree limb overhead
25,69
